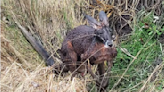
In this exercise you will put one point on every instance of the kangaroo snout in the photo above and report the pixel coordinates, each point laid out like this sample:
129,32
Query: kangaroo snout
108,44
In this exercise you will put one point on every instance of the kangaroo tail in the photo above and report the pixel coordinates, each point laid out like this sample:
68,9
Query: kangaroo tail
36,45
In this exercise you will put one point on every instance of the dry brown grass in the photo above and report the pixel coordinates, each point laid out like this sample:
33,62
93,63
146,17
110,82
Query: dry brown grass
22,69
19,75
17,79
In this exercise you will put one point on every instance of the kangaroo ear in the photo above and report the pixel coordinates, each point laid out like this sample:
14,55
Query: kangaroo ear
92,22
103,18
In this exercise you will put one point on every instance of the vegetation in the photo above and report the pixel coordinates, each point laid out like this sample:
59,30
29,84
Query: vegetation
139,65
139,55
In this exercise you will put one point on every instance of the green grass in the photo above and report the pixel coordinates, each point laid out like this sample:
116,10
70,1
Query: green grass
145,46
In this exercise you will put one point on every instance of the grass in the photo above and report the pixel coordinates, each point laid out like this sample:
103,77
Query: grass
140,53
138,66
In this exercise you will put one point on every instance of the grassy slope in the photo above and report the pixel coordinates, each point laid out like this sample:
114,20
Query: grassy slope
135,67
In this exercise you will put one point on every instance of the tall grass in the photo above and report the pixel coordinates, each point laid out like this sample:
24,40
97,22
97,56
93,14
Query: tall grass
137,67
22,69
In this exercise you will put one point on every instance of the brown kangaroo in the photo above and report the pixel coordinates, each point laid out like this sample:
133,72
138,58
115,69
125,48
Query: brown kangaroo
93,43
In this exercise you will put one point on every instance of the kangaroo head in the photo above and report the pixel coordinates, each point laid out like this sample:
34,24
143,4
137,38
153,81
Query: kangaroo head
102,30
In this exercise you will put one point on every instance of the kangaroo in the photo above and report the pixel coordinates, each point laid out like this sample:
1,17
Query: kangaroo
82,42
82,38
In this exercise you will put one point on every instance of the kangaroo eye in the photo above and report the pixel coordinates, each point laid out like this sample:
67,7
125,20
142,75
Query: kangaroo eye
99,32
